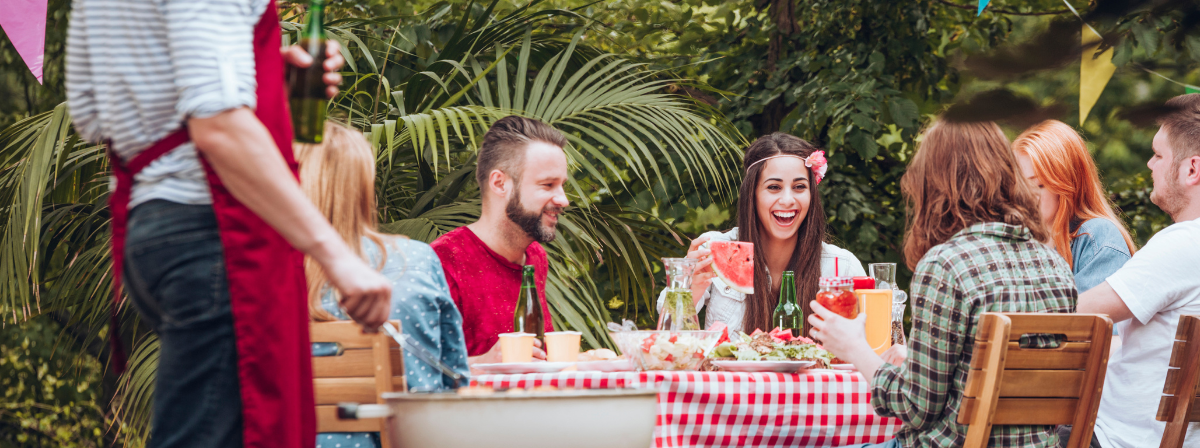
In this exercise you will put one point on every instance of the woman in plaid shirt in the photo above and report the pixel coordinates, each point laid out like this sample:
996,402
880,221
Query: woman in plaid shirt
974,245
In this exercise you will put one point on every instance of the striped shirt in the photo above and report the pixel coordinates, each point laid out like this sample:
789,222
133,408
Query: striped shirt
138,69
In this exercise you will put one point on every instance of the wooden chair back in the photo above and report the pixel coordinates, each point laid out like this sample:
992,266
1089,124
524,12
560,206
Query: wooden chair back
1178,406
366,366
1013,385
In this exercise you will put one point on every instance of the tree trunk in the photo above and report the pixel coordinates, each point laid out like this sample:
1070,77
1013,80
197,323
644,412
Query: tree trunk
783,15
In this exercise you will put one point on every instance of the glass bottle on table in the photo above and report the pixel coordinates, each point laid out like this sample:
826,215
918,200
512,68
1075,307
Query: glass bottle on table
528,318
788,315
678,312
306,88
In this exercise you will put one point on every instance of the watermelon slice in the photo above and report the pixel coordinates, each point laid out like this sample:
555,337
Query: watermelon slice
733,261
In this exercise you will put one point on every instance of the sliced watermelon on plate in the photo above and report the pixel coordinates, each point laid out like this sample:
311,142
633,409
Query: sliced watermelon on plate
720,326
733,261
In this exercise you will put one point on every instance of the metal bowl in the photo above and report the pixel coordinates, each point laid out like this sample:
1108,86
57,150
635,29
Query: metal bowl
606,418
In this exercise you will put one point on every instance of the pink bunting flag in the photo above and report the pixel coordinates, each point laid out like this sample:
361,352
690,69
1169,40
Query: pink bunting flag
24,21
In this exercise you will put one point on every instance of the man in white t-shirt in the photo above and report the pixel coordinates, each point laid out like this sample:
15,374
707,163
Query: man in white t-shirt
1159,284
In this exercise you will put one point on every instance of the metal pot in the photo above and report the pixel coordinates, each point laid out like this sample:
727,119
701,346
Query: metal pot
608,418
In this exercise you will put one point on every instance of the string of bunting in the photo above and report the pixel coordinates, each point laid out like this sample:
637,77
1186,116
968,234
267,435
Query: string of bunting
24,21
1095,70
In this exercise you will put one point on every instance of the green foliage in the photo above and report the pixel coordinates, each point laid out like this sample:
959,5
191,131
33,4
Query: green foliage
49,396
1131,195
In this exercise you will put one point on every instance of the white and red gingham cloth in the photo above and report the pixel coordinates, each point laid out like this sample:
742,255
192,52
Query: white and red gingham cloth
819,408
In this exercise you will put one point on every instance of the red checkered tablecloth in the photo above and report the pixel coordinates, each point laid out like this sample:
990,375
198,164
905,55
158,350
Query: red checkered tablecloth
819,408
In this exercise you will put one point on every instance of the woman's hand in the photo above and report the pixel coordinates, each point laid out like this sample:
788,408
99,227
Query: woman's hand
845,338
703,273
896,355
841,336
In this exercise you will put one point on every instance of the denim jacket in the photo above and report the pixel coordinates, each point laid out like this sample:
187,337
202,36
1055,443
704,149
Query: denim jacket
1097,252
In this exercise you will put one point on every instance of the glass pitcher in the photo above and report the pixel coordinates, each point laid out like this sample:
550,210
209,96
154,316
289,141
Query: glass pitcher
678,312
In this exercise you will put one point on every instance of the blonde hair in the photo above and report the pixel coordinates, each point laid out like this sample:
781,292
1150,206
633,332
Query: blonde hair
338,176
1062,163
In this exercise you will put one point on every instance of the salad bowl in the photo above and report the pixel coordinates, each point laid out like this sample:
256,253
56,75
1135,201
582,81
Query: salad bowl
666,350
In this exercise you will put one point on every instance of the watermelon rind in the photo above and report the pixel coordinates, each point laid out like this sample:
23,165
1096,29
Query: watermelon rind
744,289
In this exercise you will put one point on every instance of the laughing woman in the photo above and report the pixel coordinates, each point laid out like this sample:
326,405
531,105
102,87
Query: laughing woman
780,211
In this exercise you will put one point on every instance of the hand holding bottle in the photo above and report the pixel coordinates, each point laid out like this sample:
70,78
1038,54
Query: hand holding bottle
297,56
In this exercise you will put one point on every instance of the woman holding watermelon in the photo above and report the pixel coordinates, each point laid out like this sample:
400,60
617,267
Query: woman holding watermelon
780,214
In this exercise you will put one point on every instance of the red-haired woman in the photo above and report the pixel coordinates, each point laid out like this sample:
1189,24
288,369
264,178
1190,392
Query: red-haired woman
974,243
1082,225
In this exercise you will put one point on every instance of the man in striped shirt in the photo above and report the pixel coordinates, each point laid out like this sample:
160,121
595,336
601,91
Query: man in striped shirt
200,82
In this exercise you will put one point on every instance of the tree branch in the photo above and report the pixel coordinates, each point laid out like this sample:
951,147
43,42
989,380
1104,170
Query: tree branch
1005,11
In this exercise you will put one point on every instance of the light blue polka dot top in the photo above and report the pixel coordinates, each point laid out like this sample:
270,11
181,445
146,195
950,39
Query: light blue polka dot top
421,302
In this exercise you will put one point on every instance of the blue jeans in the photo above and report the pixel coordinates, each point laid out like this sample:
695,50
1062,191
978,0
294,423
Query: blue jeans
175,276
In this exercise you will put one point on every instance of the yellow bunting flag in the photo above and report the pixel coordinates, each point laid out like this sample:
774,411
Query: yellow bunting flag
1094,72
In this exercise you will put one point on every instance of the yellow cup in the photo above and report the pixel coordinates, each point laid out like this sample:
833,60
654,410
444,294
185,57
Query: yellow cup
562,346
877,303
516,347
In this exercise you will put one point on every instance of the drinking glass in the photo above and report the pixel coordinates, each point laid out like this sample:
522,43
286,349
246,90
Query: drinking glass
884,275
679,311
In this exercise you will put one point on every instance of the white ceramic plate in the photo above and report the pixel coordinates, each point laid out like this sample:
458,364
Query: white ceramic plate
612,365
842,367
510,368
764,366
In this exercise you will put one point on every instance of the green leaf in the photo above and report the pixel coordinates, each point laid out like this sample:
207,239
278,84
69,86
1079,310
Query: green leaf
904,112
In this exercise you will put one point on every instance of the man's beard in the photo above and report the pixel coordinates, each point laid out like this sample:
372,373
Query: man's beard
1170,197
531,222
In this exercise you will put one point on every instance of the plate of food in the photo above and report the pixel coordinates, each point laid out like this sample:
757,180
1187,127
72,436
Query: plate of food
763,366
603,360
843,367
509,368
774,351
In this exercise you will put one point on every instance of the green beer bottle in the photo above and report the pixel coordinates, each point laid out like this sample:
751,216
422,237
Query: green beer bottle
307,89
528,318
788,315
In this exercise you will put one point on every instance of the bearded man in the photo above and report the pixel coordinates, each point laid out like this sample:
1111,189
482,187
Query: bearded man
1153,289
521,171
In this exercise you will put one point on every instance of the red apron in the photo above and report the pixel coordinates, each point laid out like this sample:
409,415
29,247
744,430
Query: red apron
265,273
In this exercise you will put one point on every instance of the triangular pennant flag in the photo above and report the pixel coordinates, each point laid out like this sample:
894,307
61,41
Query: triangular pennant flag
1094,72
1191,89
982,5
25,24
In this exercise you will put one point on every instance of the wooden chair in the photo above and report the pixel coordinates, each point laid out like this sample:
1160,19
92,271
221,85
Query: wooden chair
1178,406
366,366
1011,385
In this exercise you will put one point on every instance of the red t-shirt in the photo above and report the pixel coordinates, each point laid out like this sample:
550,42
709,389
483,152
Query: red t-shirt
485,285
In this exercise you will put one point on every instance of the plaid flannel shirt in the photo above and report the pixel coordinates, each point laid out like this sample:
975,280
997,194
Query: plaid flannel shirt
989,267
